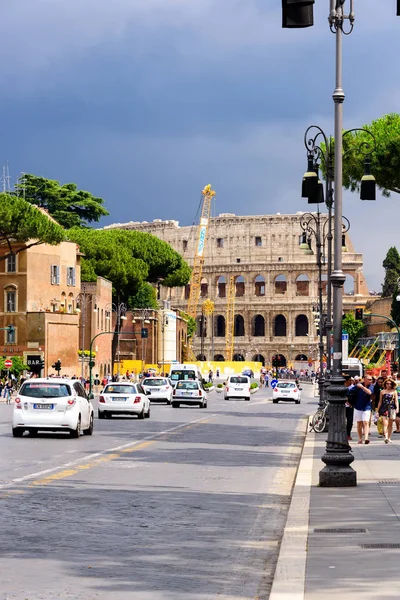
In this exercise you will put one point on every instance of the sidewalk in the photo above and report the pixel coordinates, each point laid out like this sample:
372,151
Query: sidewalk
343,542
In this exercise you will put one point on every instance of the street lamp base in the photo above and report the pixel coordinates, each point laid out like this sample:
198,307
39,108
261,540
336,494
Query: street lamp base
337,476
337,458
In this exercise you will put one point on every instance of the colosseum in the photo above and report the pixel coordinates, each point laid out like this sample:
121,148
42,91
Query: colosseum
276,284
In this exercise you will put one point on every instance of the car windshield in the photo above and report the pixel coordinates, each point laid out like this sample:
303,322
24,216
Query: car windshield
45,390
187,385
120,389
152,382
286,385
239,380
183,375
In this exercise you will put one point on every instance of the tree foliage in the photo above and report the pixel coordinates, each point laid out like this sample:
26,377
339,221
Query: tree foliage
391,264
18,366
354,327
127,258
20,222
145,297
385,159
69,206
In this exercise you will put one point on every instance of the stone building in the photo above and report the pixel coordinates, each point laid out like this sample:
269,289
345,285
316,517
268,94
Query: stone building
40,285
94,303
276,284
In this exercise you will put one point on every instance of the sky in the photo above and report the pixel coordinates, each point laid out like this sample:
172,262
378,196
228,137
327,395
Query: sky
143,102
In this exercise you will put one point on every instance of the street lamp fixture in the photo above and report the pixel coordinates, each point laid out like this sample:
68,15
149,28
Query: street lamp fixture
368,183
309,187
304,244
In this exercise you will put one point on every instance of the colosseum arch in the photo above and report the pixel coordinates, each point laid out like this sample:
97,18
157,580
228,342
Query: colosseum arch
280,326
239,326
302,285
240,286
204,288
220,326
301,326
259,326
221,287
259,285
280,284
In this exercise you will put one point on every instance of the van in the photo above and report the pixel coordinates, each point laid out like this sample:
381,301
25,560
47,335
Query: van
237,386
185,373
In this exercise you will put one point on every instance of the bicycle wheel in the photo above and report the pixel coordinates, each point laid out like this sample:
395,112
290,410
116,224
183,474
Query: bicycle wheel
319,422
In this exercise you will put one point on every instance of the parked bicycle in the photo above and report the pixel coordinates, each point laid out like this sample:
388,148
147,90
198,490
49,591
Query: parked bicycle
319,422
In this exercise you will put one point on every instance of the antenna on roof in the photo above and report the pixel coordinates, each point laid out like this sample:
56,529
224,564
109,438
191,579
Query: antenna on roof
5,179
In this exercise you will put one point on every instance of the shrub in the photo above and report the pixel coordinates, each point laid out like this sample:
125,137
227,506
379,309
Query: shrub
253,385
220,385
208,385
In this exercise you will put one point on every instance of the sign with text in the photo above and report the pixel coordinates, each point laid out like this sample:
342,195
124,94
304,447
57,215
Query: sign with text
345,346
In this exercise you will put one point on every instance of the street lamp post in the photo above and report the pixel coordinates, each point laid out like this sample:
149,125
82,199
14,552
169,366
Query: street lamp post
83,299
337,458
119,309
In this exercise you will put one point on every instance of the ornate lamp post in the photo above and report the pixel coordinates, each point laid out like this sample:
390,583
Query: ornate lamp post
120,311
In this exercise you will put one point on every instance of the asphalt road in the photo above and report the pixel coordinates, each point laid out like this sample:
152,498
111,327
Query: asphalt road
190,504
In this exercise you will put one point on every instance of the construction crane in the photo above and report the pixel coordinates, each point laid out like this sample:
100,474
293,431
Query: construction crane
197,272
230,320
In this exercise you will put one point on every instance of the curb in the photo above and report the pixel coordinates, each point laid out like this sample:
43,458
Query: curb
290,573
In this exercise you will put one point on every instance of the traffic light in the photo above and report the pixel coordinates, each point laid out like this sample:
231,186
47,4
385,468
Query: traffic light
359,314
57,366
10,329
297,13
144,332
274,361
398,8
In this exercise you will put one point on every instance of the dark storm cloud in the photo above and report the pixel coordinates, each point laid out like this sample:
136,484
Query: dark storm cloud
145,101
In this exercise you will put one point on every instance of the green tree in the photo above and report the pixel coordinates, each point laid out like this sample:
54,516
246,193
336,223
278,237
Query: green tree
18,366
69,206
22,223
391,264
355,329
385,159
128,258
145,297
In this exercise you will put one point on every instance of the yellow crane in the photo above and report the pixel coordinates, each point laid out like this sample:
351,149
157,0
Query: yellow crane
230,320
195,282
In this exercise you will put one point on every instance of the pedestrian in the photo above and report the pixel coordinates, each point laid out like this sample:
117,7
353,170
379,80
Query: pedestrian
363,407
217,373
8,391
378,387
388,407
266,380
349,384
210,376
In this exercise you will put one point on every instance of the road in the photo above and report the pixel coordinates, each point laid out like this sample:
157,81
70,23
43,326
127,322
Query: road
190,504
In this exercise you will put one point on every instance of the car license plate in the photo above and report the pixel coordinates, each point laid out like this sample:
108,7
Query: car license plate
155,389
44,406
118,399
239,389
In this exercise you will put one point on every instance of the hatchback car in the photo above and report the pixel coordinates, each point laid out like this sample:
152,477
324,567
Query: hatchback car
52,404
237,386
286,390
124,399
248,372
158,388
189,392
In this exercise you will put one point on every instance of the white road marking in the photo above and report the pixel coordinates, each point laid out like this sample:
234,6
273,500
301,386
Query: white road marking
85,459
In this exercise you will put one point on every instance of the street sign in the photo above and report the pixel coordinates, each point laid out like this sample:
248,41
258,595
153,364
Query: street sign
8,363
310,364
274,383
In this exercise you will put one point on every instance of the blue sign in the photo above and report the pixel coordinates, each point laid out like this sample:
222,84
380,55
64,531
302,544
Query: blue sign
345,336
274,383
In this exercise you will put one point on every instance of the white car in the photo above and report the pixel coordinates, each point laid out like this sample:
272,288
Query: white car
158,388
52,404
286,390
124,398
237,386
189,392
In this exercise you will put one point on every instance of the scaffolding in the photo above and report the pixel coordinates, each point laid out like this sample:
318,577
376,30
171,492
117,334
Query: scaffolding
230,320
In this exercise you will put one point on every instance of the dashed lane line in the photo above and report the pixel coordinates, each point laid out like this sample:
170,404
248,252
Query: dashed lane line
71,468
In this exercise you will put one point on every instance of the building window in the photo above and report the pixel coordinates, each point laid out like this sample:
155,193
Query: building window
184,245
11,336
71,276
238,260
258,241
12,263
11,301
55,275
70,308
220,242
